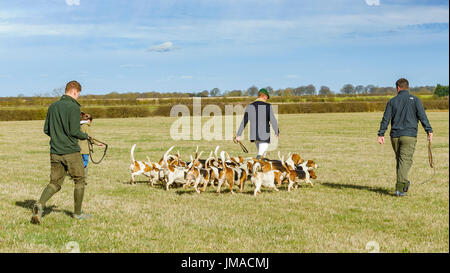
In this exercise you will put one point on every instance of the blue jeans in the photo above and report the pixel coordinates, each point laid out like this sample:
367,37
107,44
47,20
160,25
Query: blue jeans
85,160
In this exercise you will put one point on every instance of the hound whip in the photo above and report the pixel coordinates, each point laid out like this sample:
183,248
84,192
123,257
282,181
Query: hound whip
91,149
430,161
240,143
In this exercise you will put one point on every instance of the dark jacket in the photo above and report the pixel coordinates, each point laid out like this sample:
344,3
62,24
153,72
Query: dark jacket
259,114
62,125
404,111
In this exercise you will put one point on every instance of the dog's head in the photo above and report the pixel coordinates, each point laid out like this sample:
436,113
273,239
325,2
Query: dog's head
311,164
296,158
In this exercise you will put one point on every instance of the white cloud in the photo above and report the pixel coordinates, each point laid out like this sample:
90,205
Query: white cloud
73,2
164,47
373,2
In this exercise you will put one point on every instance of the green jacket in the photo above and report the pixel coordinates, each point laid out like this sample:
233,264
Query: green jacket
404,112
62,125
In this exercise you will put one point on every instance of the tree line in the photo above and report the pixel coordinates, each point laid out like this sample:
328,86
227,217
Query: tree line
306,90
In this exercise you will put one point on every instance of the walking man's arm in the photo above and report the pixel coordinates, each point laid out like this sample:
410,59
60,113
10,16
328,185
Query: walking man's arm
385,122
242,126
46,126
274,122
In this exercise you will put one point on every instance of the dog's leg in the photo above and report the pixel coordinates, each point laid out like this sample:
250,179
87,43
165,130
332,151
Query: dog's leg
170,180
197,181
290,185
221,180
257,188
205,184
243,179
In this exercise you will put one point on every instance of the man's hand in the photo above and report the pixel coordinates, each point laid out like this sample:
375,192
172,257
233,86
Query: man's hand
238,138
100,144
381,139
430,137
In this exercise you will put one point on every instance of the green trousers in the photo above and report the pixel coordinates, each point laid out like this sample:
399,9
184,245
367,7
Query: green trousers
59,166
404,148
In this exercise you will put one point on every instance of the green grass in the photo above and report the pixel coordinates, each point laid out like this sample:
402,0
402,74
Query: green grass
350,204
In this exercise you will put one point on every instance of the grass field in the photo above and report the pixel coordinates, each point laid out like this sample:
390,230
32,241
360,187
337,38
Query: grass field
350,205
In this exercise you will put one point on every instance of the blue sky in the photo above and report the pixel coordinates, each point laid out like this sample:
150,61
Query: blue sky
192,45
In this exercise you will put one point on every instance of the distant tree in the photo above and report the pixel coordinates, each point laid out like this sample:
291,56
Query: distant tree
204,93
270,90
371,89
287,92
348,89
325,90
214,92
235,93
310,90
298,91
58,92
360,89
278,92
441,91
252,91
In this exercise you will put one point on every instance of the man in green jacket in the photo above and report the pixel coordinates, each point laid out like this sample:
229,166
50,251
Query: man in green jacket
404,112
62,125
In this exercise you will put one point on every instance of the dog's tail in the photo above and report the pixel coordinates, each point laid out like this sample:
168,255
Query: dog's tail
222,156
285,165
132,153
215,151
198,156
165,156
207,164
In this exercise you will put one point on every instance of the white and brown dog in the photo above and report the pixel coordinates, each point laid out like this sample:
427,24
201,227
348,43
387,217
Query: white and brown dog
231,174
171,173
302,172
149,169
264,175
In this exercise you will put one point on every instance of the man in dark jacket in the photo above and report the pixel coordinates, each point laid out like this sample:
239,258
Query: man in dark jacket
403,112
62,125
259,113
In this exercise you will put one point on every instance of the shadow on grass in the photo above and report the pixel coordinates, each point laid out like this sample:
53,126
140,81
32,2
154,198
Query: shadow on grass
358,187
28,204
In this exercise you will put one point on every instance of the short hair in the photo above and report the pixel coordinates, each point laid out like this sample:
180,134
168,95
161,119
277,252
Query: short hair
73,85
402,83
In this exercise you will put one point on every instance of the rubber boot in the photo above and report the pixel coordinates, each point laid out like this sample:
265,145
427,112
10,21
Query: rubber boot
78,194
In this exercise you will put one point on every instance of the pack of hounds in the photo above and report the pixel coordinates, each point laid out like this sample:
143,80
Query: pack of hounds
224,170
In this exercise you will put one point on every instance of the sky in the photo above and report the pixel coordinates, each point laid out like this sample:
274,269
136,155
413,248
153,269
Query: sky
194,45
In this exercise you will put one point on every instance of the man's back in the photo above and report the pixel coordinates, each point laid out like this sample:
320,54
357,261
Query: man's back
62,124
404,111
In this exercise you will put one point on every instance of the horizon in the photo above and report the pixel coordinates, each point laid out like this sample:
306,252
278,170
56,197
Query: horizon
195,45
